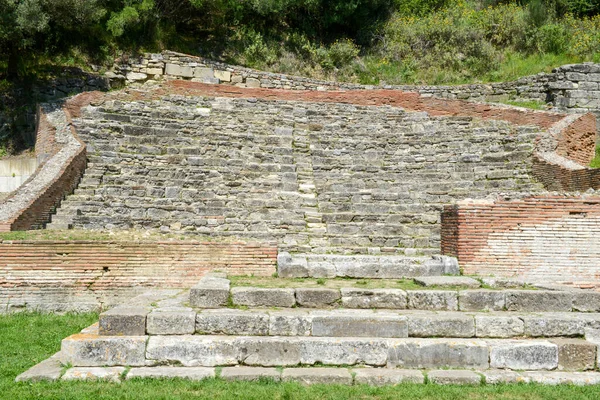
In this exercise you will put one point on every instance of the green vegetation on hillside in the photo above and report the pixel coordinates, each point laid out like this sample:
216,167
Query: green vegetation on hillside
366,41
30,338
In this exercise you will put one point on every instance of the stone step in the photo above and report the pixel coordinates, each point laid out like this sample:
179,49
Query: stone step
90,350
363,266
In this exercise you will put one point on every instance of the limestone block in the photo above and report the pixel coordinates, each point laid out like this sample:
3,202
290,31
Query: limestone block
554,325
374,298
575,354
586,301
439,300
317,297
173,69
269,351
438,353
250,373
191,373
193,350
502,376
526,355
224,76
85,350
289,266
456,377
47,370
237,79
154,71
310,376
443,325
112,374
538,300
261,297
343,351
290,323
494,326
481,300
171,322
252,83
136,76
123,321
563,378
210,292
445,281
232,322
204,73
344,324
384,376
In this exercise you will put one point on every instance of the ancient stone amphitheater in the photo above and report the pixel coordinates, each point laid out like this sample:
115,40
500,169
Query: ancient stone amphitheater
263,225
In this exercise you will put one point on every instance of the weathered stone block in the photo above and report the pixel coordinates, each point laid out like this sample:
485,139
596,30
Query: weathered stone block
384,376
210,292
171,322
112,374
290,323
232,322
443,325
574,354
269,351
224,76
554,325
481,300
374,298
562,378
438,353
344,324
527,355
191,373
84,350
538,300
446,300
289,266
252,83
501,376
193,351
260,297
250,373
494,326
445,281
173,69
203,72
343,351
457,377
123,321
310,376
47,370
586,301
317,297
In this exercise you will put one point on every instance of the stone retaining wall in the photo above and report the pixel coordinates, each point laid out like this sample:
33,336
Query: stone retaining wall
90,275
537,239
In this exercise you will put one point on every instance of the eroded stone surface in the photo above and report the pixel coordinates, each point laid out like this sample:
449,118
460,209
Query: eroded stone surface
538,300
47,370
438,300
85,350
250,373
575,354
193,351
112,374
524,355
357,325
448,281
260,297
309,376
192,373
123,321
374,298
456,377
438,353
171,322
232,322
385,376
453,325
495,326
317,297
481,300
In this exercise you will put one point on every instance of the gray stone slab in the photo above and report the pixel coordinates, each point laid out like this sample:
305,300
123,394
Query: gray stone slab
343,351
385,376
250,373
455,325
269,351
204,72
261,297
503,283
438,300
123,321
523,355
481,300
210,292
47,370
495,326
369,325
191,373
252,83
454,377
193,350
289,266
563,378
166,322
554,325
586,301
290,323
232,322
438,353
575,354
374,298
112,374
83,350
538,300
502,376
445,281
310,376
317,297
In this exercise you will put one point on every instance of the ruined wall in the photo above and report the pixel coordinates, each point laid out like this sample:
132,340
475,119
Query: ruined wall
86,276
538,239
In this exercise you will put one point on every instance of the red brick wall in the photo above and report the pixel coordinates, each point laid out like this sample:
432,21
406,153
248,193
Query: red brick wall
53,272
558,178
577,141
542,238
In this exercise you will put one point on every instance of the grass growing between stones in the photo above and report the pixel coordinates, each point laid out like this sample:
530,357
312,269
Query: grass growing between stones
29,338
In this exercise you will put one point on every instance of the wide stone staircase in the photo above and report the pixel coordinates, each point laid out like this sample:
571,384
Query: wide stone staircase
355,326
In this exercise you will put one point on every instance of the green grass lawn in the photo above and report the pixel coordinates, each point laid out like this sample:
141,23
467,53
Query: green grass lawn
26,339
